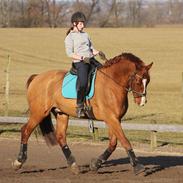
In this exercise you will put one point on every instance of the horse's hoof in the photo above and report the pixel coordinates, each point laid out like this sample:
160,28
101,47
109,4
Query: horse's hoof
16,165
95,164
139,168
75,168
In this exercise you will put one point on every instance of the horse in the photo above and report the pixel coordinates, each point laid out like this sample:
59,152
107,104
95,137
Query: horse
114,80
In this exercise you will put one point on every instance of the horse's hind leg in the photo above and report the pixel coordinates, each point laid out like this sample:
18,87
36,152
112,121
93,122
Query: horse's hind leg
26,131
61,128
97,162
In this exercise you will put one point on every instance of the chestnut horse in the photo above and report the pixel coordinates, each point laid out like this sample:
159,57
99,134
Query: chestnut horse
114,80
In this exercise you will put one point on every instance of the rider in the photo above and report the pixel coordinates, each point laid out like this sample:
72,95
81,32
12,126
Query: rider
79,47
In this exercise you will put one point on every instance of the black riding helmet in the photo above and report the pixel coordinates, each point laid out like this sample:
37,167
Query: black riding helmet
78,17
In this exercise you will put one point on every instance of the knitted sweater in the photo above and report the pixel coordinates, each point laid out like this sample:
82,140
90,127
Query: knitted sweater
78,43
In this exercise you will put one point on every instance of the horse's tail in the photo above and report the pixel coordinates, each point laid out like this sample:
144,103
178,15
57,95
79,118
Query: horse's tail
30,80
48,130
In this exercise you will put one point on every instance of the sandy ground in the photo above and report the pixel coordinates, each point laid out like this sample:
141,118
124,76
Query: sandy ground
46,164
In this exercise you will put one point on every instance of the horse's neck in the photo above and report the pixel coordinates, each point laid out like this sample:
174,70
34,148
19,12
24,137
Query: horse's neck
120,72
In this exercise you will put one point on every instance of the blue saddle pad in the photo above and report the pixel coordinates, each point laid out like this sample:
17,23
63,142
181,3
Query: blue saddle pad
69,86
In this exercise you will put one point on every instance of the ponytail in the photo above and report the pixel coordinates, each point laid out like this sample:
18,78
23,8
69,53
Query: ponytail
69,30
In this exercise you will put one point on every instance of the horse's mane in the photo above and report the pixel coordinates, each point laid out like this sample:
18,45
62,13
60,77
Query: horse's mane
124,56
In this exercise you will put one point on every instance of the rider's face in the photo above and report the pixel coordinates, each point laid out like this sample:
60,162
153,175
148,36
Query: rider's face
80,26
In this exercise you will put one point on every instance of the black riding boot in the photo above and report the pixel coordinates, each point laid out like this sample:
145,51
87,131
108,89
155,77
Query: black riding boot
80,111
80,103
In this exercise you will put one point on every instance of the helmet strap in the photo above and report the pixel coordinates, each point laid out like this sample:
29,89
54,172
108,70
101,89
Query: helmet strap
75,24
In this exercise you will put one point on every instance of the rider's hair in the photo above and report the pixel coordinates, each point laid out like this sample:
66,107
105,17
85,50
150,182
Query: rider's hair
69,30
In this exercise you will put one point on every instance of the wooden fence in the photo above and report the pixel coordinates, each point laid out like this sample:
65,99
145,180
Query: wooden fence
152,128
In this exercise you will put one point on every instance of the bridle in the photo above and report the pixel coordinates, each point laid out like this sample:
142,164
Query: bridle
130,88
130,81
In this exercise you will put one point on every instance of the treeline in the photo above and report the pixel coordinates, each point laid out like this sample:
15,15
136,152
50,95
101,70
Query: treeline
99,13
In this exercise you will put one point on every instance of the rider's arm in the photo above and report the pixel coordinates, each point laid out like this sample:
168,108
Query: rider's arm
69,47
94,51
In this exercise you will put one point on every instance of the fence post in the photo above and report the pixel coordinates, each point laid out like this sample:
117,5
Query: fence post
7,87
182,95
153,140
95,134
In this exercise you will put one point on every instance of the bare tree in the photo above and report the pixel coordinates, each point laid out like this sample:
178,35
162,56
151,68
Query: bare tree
134,12
90,8
110,12
56,12
175,11
5,13
94,3
103,13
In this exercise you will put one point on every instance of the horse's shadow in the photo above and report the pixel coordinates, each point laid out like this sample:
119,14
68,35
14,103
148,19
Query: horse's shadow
153,163
41,170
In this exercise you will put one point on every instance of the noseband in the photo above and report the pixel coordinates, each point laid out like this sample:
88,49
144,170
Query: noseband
130,88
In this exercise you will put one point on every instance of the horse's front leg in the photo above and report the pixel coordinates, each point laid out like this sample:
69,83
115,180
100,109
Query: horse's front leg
115,126
61,128
97,162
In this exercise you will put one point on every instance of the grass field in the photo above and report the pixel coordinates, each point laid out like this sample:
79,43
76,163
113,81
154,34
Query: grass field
166,142
38,50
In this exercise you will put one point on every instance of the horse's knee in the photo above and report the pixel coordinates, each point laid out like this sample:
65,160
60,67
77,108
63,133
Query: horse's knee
61,139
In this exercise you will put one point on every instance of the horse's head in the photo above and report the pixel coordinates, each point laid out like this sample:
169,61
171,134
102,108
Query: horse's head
136,71
138,82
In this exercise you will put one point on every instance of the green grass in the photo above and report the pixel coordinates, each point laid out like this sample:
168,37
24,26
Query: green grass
139,139
37,50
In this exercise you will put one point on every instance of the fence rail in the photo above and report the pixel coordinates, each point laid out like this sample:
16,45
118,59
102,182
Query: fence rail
153,128
101,124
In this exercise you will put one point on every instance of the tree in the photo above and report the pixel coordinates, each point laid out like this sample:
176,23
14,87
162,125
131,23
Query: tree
5,13
134,13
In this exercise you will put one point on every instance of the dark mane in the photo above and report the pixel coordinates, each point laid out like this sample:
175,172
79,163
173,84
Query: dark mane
124,56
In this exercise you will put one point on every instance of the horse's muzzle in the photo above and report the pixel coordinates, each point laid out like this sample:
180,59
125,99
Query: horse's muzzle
141,101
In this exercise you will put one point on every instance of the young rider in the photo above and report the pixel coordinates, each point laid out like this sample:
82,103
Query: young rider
79,47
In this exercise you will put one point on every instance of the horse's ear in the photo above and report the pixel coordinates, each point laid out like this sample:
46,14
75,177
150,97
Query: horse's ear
149,66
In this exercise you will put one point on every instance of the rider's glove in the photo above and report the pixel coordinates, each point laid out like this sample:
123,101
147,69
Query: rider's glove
102,55
86,60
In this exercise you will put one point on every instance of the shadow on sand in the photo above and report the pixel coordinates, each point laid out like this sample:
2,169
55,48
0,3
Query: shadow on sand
40,170
153,163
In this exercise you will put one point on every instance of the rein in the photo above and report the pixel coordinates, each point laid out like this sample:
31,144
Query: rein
130,80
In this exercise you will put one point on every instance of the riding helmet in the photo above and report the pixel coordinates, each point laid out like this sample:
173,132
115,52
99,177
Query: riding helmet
78,17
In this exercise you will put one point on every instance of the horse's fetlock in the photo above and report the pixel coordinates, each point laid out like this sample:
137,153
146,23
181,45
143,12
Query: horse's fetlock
138,168
75,168
22,156
71,160
95,164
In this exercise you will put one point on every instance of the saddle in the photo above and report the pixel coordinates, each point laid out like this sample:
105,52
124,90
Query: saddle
69,85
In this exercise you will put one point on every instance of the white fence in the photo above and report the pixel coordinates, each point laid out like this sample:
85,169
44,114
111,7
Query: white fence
152,128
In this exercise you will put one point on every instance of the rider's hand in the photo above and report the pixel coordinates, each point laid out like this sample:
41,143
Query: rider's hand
102,55
86,60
